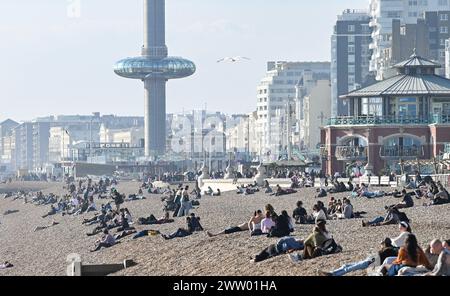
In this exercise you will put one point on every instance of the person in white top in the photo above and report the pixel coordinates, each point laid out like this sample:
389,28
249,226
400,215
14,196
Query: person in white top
318,214
405,230
267,223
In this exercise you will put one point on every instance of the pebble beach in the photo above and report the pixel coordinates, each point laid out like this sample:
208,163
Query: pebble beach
45,252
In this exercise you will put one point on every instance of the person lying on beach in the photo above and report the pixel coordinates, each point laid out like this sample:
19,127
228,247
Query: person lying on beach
193,225
124,233
5,265
133,197
280,191
107,241
151,220
319,243
365,192
9,212
284,245
386,250
38,228
230,230
395,193
394,216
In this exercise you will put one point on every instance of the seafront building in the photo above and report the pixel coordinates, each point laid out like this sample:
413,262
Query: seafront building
382,12
405,117
350,56
285,85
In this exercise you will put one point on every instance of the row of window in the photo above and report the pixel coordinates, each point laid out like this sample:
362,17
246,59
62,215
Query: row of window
274,91
364,28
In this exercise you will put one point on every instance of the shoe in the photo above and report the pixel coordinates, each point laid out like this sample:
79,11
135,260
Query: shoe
295,257
364,224
324,273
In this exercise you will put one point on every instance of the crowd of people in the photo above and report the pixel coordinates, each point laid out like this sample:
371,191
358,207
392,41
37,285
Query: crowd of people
401,255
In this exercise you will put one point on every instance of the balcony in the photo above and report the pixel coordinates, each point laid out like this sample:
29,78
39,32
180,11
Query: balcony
389,120
404,152
447,148
351,153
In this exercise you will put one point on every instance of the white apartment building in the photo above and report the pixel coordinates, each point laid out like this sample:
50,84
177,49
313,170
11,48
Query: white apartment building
317,111
382,13
278,88
132,135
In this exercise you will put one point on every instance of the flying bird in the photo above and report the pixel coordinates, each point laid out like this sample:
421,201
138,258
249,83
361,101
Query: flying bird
232,59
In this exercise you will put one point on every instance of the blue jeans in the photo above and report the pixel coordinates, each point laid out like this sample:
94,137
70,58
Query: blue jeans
393,271
376,220
369,194
347,268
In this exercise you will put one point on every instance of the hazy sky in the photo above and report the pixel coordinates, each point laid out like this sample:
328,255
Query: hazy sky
56,64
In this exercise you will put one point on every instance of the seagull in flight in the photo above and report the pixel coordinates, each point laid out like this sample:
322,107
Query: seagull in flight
232,59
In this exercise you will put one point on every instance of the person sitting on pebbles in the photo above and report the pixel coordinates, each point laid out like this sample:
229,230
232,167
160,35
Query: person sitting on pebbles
319,243
107,241
193,225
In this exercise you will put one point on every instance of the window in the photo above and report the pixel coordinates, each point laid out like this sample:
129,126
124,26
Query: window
351,49
394,14
372,106
351,79
407,107
443,30
351,39
412,14
351,69
442,42
351,28
443,2
412,2
444,17
351,59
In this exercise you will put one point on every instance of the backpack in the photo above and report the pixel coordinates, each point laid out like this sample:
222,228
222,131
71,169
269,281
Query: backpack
330,247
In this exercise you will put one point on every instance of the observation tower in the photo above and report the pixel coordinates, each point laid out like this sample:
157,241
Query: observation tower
154,68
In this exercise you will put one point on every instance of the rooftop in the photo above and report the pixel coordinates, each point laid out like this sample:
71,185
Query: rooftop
416,76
